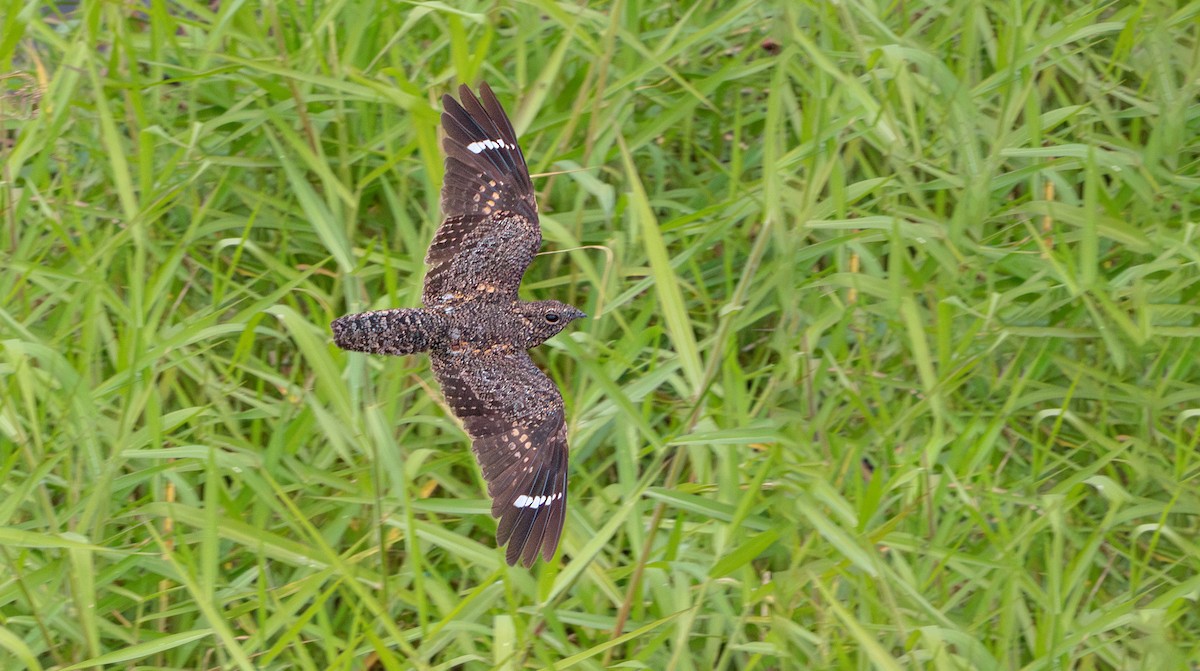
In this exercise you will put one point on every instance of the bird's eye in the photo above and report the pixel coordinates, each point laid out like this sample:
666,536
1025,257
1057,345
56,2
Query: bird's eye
552,317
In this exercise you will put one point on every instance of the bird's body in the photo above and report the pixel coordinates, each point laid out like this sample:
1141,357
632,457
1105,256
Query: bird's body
473,327
477,330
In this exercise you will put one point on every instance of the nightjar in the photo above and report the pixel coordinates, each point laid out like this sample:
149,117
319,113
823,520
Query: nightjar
477,330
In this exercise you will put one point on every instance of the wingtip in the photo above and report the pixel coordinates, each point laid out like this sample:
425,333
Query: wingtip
465,92
485,92
518,553
526,555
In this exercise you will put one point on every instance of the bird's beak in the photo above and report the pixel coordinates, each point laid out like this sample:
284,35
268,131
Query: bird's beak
578,314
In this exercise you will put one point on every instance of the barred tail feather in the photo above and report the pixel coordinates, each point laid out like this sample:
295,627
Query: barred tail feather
401,331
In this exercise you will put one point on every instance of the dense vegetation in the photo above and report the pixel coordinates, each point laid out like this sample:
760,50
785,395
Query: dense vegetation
891,364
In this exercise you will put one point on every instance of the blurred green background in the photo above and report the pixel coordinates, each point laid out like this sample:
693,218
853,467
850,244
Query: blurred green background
891,361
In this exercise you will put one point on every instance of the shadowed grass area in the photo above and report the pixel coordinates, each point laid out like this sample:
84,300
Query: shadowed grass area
892,361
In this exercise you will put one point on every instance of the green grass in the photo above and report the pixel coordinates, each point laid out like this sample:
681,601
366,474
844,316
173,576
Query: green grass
892,363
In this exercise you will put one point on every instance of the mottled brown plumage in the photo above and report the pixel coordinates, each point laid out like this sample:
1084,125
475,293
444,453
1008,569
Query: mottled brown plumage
477,330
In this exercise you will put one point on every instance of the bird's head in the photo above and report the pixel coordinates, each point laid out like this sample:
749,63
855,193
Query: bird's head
545,319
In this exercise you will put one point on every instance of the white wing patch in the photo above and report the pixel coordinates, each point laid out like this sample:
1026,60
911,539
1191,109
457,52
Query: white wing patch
524,501
477,147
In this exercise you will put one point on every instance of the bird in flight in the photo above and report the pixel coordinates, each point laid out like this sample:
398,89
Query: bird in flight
477,330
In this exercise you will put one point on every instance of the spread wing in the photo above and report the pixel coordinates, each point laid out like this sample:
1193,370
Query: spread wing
514,414
490,233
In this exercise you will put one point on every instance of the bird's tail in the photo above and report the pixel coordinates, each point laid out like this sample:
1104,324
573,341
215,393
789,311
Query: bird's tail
401,331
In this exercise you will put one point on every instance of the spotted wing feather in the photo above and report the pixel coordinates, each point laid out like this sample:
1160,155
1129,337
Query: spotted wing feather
485,169
514,413
490,233
479,258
